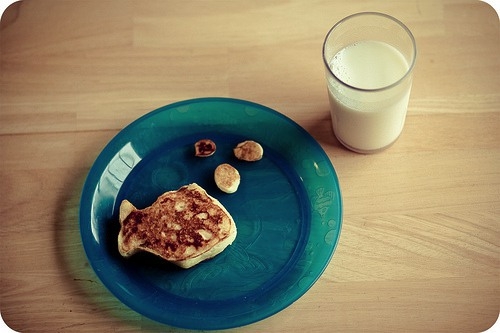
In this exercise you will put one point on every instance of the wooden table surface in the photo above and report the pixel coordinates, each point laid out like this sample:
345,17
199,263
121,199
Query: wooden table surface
419,248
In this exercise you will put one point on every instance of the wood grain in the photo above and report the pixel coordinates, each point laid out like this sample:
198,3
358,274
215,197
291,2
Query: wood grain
420,243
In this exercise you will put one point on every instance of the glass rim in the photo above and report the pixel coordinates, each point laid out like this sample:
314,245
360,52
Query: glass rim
398,22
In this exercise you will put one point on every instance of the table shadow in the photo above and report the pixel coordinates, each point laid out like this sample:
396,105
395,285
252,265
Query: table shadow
322,131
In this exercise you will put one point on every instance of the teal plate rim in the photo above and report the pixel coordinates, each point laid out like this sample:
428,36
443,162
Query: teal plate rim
288,211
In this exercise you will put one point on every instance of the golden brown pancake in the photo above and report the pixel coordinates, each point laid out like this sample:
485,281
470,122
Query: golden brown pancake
184,227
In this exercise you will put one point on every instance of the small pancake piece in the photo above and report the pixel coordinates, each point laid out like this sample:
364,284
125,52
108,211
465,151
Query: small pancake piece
227,178
249,150
204,148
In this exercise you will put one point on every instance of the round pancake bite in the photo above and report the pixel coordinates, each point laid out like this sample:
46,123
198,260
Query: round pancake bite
204,148
249,151
227,178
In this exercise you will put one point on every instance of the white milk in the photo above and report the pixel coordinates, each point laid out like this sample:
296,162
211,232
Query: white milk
363,119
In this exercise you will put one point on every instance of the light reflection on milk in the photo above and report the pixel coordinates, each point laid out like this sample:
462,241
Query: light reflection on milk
367,112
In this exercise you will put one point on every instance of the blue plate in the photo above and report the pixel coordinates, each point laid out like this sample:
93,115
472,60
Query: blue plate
288,211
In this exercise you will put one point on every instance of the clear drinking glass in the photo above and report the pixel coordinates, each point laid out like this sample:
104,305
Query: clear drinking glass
369,59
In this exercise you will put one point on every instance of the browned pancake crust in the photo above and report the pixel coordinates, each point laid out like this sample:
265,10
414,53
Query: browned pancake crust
179,225
249,150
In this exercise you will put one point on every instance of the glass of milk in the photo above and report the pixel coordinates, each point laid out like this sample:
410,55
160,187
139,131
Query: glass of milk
369,59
